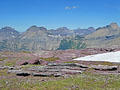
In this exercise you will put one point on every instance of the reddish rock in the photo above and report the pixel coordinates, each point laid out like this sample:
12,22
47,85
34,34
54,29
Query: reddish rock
34,61
43,62
104,67
23,62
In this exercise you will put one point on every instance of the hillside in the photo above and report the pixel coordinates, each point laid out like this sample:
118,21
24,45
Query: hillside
107,37
40,38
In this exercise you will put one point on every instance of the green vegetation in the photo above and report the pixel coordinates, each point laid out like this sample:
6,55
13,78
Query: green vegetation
72,62
50,58
3,58
28,66
26,51
74,43
10,63
106,63
86,81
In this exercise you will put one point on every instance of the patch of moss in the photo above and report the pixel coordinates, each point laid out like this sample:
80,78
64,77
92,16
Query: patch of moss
50,58
3,58
3,72
26,51
10,63
85,81
28,66
72,62
105,63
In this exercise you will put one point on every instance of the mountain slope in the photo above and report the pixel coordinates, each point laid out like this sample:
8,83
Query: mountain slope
104,37
37,38
8,33
84,32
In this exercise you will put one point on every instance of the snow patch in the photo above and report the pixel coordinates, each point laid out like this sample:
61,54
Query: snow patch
108,57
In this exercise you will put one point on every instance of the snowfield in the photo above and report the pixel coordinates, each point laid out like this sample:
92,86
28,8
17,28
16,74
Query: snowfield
109,57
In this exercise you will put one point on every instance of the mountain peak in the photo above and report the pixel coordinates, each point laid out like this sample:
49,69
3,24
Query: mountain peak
7,28
114,25
43,28
91,28
62,28
35,28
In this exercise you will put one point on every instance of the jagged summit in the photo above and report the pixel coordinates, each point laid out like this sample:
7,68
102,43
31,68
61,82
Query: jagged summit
7,27
8,33
39,38
62,28
91,28
114,25
107,36
35,28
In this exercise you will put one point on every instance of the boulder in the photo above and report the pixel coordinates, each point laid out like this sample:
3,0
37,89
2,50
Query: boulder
34,61
20,72
23,73
104,67
14,71
23,62
7,67
81,65
58,74
68,64
43,62
61,64
45,74
67,71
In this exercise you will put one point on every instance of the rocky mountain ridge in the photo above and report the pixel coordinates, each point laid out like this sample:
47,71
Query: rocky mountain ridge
40,38
108,36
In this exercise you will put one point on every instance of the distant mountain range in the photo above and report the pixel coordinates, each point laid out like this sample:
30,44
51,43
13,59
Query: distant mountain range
108,36
39,38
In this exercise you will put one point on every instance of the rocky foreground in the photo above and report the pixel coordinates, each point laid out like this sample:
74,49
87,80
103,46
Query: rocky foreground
57,70
57,63
61,69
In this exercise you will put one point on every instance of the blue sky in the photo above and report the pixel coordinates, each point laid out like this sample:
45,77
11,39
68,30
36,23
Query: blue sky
21,14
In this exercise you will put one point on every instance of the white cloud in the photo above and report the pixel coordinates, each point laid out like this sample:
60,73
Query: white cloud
67,8
70,8
74,7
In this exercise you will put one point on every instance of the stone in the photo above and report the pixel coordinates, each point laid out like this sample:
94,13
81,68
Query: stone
46,74
7,67
81,65
23,73
34,61
14,71
43,62
58,74
23,62
68,64
54,70
67,71
61,64
104,67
